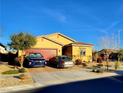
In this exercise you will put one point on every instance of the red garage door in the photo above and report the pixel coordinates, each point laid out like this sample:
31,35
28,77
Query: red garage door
47,53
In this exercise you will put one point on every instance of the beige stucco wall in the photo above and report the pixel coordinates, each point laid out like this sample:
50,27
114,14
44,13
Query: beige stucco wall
60,39
44,43
76,53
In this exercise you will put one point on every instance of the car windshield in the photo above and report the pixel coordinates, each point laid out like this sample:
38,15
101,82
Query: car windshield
65,58
35,55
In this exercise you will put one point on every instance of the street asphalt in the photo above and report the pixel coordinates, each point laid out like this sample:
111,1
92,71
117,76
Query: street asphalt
113,84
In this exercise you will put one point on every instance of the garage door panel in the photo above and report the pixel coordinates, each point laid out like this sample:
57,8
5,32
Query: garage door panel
32,51
47,53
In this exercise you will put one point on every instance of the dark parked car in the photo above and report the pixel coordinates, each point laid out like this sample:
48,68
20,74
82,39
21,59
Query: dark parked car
34,60
61,61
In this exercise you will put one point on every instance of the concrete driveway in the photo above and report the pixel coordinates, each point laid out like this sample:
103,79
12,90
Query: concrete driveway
44,77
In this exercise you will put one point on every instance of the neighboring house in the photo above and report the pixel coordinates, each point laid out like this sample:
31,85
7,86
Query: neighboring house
58,44
108,53
3,49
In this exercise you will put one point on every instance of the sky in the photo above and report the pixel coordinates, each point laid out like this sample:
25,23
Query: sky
83,20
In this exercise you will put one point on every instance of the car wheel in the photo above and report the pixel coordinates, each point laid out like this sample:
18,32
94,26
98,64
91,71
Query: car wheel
57,66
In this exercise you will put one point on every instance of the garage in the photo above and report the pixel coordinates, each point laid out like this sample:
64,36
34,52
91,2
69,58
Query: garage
46,52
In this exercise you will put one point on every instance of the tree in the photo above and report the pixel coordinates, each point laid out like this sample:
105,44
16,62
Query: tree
95,55
22,41
120,55
107,44
119,58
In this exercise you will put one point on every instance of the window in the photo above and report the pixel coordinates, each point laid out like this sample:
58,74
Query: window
66,58
35,55
83,52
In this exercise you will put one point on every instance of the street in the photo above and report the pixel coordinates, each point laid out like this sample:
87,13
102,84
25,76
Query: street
112,84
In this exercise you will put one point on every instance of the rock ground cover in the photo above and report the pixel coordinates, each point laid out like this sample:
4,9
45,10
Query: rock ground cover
13,79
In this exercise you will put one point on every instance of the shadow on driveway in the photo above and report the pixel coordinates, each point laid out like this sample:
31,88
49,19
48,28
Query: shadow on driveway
102,85
119,72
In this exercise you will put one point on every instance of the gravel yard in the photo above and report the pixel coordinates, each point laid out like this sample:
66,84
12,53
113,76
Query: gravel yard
7,82
12,80
4,68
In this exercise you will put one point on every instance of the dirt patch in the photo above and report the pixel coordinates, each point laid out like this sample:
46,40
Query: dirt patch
5,68
7,82
12,80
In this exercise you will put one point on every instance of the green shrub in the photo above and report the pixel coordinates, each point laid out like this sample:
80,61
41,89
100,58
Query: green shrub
97,69
84,64
22,70
22,75
116,65
11,72
99,65
78,62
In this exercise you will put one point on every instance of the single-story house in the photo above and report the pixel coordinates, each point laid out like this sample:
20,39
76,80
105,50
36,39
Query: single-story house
58,44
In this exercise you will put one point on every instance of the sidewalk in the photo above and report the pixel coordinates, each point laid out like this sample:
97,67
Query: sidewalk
52,78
